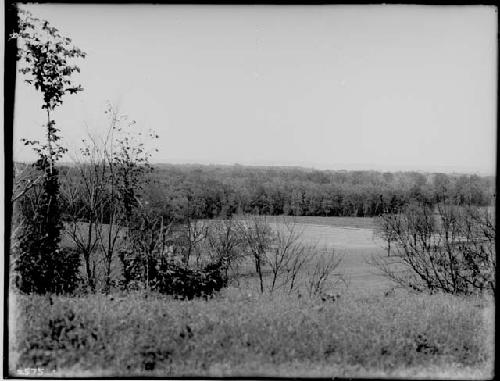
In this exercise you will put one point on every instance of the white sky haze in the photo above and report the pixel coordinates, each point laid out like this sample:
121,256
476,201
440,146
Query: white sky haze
340,87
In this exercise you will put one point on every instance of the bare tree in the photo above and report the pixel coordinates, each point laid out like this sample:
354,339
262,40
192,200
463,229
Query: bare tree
288,255
101,194
258,237
282,253
224,239
450,248
319,277
128,164
383,229
477,248
86,199
193,234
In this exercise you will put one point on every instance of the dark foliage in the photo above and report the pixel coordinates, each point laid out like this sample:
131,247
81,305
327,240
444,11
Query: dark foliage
41,266
185,283
43,272
174,278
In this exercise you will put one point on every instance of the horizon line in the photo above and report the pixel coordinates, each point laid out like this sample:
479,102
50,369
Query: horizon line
316,167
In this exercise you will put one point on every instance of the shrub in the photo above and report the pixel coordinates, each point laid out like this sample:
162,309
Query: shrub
183,282
48,272
171,276
132,270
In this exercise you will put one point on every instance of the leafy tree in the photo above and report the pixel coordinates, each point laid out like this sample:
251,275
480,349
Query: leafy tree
44,56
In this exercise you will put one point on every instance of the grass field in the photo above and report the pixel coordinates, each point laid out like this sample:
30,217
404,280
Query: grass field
243,333
342,222
240,334
353,239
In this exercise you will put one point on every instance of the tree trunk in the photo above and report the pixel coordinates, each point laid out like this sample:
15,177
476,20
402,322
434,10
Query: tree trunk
258,269
107,284
49,143
90,276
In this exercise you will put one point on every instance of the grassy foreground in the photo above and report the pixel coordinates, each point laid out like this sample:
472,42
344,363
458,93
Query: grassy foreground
239,334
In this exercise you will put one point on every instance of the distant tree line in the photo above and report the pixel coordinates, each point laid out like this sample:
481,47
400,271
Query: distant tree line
206,192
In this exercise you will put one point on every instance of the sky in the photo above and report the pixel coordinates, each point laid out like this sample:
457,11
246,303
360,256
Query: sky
384,87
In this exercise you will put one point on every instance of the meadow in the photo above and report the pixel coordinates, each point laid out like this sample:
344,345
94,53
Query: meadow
241,332
352,239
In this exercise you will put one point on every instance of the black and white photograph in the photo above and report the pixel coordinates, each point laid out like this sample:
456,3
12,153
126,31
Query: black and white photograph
228,191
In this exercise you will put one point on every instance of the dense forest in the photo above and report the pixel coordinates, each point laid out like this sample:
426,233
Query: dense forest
210,191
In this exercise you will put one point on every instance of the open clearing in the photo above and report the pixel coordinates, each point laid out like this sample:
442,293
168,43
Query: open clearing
353,239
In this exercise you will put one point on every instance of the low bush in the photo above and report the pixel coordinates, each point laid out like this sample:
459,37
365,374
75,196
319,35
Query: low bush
185,283
169,276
